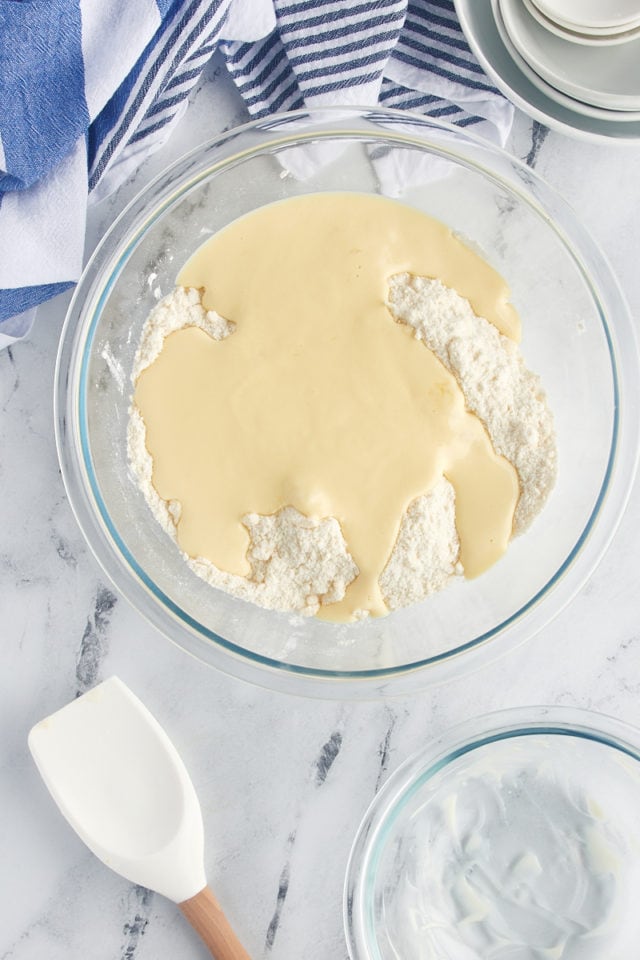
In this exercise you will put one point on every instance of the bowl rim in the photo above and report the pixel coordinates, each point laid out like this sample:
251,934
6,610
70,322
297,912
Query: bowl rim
454,742
73,444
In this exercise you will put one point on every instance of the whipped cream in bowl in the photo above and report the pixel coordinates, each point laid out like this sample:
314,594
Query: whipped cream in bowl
515,836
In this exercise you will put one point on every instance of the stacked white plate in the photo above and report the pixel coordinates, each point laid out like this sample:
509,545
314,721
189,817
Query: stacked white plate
591,22
573,64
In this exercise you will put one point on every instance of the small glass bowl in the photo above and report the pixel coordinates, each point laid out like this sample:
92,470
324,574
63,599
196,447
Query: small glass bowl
577,335
515,835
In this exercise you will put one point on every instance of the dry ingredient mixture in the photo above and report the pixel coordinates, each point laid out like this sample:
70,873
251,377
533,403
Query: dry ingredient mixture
439,509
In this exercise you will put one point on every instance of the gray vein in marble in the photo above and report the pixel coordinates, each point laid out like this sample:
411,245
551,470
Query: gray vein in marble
283,889
622,648
539,134
134,930
8,563
320,770
94,640
327,757
11,391
155,261
64,551
383,751
8,954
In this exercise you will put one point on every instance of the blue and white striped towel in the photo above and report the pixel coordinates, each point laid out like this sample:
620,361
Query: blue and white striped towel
88,90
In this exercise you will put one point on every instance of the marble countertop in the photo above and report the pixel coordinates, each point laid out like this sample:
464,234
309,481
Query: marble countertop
283,782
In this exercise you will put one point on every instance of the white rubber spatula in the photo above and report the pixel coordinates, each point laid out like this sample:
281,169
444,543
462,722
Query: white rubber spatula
120,783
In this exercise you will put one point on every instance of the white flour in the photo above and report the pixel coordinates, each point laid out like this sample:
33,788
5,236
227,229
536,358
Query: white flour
497,386
298,563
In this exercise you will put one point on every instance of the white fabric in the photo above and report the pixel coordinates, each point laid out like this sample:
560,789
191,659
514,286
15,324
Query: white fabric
42,229
16,327
129,28
249,20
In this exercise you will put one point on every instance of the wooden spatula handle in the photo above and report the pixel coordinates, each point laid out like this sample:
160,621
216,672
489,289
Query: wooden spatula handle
206,917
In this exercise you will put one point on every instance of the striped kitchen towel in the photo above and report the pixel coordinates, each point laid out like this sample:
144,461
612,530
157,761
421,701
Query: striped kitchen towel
88,90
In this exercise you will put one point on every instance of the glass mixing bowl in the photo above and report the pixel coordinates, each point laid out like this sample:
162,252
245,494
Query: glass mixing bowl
577,335
514,835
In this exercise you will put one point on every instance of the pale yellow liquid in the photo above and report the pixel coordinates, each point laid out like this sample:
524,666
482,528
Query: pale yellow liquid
319,400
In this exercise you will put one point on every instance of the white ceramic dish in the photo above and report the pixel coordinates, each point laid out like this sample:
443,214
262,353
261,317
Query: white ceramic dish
594,14
601,77
627,116
594,38
593,32
482,35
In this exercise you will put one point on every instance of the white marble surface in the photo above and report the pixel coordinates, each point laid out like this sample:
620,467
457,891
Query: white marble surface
283,782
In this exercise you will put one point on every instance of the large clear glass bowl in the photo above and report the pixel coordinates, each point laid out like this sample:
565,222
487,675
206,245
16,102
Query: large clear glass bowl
577,335
513,835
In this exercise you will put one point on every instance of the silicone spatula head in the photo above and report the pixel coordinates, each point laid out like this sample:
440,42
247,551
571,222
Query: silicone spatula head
120,783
